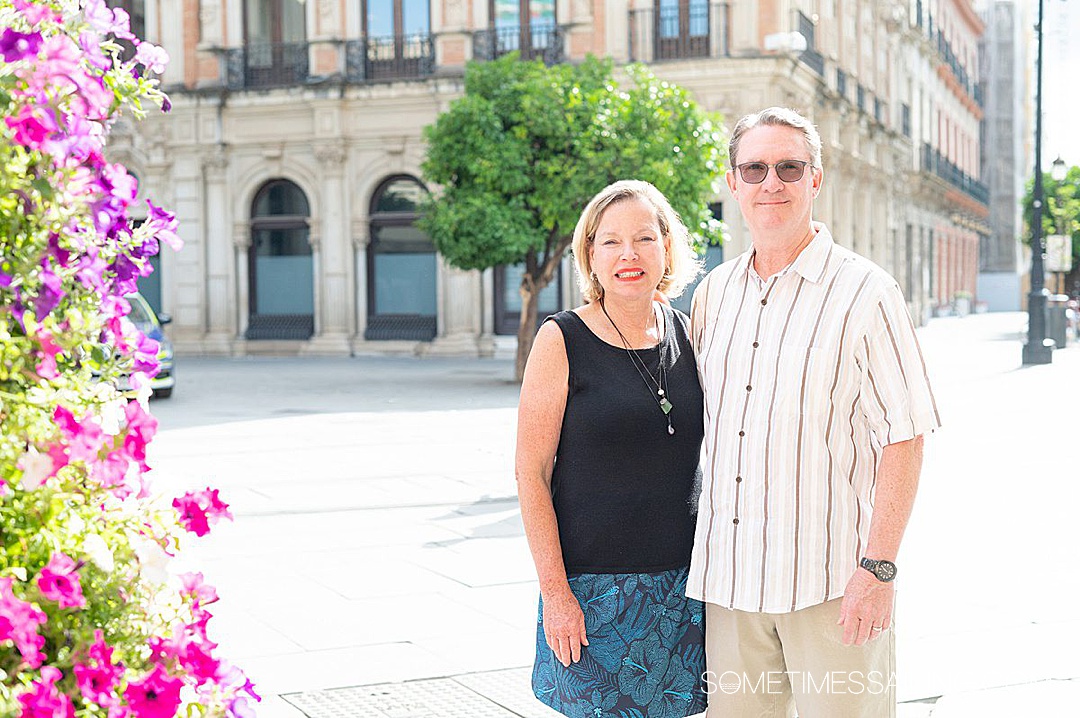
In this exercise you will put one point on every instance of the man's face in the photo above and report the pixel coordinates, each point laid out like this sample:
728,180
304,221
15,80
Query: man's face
774,208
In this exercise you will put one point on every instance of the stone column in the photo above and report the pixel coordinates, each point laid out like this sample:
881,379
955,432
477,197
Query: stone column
460,312
220,326
241,240
330,247
360,241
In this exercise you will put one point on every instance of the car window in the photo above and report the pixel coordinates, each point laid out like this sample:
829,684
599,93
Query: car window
140,316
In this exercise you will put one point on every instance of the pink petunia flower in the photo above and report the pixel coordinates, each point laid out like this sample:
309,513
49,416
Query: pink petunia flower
200,509
154,58
157,695
59,581
46,366
195,587
44,699
19,623
32,126
163,226
98,678
141,427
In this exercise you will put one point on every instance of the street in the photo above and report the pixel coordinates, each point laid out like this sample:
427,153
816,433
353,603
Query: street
377,564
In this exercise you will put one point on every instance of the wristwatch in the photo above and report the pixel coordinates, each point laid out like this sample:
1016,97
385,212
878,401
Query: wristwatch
883,570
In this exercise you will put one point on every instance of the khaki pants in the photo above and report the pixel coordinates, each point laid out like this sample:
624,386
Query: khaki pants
765,665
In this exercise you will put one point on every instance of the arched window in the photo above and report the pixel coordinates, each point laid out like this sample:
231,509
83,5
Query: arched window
281,293
401,267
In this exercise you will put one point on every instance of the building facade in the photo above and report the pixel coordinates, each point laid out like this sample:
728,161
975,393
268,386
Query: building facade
1004,50
293,150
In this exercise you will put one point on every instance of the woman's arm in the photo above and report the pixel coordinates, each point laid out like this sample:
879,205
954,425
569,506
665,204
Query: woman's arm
540,415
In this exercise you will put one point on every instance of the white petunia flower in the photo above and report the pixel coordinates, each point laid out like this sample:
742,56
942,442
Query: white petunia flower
36,467
99,552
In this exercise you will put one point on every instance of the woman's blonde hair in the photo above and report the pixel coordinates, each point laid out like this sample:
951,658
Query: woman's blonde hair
681,263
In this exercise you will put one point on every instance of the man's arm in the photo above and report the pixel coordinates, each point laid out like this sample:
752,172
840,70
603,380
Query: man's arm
867,601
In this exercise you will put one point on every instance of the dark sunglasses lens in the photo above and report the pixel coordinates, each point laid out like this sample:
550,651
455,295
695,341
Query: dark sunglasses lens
790,171
753,172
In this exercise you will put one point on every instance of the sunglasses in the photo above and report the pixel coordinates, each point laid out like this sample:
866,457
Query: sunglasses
786,170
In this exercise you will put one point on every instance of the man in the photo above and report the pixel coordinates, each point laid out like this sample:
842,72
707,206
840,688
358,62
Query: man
816,400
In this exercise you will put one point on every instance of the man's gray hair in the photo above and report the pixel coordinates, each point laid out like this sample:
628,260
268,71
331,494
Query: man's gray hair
777,117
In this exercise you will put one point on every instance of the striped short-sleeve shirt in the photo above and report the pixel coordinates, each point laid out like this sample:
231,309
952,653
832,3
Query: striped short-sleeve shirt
807,375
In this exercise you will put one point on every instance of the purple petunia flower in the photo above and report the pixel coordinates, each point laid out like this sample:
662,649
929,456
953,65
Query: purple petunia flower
15,46
52,291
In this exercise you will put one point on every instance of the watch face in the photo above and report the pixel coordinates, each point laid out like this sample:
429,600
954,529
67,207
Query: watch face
885,571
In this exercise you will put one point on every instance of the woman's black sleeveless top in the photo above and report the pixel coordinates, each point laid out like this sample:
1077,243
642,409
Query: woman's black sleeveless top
625,490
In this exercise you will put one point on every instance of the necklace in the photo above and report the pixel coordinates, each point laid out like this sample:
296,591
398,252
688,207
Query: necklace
643,371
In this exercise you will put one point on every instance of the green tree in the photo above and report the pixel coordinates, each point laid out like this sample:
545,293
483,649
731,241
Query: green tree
521,153
1061,214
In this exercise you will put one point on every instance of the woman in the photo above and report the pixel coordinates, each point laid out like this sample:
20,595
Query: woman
609,434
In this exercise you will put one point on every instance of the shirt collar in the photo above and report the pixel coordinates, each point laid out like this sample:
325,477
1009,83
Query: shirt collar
812,262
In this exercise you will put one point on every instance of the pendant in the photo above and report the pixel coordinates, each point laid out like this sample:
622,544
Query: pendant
666,406
670,428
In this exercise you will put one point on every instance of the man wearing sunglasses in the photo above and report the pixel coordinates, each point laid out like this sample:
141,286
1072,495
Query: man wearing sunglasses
816,401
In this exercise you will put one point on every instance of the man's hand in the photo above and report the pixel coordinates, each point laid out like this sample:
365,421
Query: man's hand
866,610
564,626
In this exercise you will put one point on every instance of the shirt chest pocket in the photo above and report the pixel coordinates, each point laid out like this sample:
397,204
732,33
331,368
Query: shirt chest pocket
804,382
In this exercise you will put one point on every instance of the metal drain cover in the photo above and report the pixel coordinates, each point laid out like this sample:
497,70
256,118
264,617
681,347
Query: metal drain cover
440,698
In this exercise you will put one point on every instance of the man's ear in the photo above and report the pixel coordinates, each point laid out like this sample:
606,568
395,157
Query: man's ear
730,177
818,175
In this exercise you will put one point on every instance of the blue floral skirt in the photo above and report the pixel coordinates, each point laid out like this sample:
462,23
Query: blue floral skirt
646,652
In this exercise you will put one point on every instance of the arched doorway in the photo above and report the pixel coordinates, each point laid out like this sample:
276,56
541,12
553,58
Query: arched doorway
401,265
281,292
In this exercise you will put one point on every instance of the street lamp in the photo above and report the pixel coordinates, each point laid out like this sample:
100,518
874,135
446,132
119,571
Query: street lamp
1039,349
1057,169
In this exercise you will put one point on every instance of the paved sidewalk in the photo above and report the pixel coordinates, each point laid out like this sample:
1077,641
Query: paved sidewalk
377,565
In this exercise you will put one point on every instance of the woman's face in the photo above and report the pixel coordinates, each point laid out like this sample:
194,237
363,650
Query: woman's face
628,252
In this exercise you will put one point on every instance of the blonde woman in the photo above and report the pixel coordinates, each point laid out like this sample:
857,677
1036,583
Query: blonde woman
609,434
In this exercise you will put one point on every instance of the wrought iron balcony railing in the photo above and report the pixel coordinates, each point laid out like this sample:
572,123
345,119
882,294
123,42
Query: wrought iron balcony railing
679,33
266,65
934,163
810,56
397,57
534,42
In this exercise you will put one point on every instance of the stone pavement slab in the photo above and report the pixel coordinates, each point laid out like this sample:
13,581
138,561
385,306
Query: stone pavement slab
377,540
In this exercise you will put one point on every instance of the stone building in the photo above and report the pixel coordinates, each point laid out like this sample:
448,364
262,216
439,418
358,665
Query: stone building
292,153
1005,51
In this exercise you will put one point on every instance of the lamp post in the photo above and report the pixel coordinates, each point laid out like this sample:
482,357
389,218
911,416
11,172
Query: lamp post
1058,172
1039,349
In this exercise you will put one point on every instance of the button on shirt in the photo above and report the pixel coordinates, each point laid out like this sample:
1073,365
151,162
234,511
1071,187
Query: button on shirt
807,376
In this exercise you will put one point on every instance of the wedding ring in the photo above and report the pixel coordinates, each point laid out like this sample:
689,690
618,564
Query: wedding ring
875,628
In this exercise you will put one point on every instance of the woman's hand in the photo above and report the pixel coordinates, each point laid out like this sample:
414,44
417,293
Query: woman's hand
564,626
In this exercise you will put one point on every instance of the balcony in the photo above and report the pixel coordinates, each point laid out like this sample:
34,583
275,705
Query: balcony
396,57
934,163
266,65
679,33
810,56
534,42
949,57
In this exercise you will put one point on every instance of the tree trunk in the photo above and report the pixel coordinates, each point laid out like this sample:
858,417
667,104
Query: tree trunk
530,298
539,272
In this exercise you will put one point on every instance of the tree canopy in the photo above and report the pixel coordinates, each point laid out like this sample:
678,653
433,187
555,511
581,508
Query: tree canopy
519,156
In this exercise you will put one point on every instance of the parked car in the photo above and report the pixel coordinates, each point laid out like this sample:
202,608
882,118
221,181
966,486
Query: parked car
150,323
